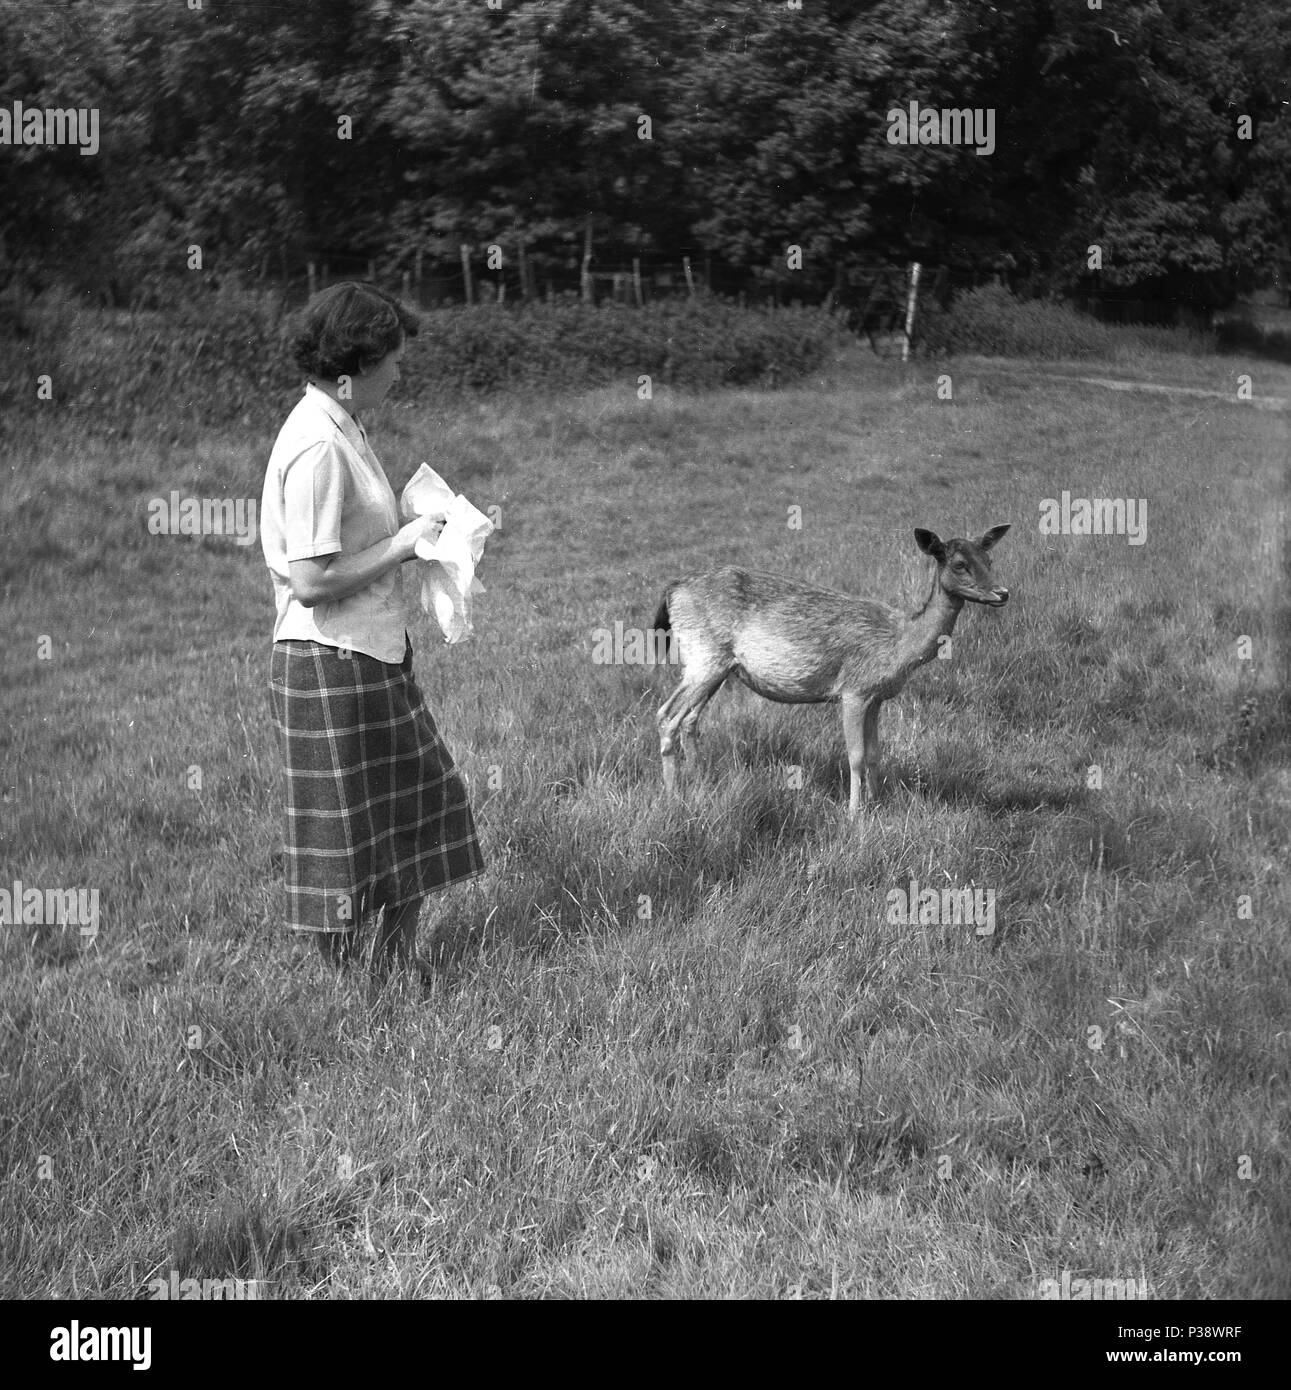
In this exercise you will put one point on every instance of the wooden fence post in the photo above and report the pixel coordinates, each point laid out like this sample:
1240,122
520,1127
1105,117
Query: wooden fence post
312,273
636,281
585,277
911,303
466,273
690,279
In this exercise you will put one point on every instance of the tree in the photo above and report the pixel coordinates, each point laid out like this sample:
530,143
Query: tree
526,122
385,128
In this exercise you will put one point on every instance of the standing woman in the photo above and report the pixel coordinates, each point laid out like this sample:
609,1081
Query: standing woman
377,815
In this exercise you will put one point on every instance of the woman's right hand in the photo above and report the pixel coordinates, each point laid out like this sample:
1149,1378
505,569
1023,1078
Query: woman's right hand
413,531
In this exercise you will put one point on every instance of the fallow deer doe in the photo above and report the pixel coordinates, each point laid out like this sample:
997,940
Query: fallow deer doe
799,644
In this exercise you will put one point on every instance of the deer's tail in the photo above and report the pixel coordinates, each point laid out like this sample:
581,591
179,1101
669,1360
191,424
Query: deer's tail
662,620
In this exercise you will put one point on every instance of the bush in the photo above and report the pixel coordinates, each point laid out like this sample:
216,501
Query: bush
222,356
1243,335
698,343
206,359
994,322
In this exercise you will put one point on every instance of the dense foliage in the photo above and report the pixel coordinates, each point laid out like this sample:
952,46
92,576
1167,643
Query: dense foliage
1154,129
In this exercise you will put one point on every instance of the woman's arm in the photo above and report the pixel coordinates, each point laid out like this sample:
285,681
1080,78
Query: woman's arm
329,578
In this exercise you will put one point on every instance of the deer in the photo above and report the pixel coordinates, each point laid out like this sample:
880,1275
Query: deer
799,644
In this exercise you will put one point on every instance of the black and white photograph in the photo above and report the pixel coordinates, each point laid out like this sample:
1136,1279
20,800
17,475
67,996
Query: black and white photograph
646,658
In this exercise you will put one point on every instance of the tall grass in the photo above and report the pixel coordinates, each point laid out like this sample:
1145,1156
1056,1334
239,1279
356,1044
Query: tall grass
681,1050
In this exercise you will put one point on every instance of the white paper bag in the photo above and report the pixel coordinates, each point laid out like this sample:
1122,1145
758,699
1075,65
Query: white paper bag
448,581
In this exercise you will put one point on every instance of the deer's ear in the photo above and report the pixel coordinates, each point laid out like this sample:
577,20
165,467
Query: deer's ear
930,543
994,534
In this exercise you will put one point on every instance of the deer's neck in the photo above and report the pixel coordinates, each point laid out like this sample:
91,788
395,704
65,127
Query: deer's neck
933,621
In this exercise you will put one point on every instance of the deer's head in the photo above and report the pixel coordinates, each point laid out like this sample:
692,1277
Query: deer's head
964,567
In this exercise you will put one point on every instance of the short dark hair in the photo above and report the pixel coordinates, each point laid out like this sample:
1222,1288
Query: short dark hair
348,328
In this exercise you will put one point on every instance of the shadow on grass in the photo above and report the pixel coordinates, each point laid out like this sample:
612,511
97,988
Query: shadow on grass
557,880
1245,337
265,1239
961,787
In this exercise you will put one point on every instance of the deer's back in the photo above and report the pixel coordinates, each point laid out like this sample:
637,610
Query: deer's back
788,640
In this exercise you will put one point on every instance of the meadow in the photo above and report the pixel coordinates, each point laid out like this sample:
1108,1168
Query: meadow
678,1049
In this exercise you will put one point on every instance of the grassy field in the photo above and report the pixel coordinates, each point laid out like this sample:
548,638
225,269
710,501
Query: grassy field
682,1051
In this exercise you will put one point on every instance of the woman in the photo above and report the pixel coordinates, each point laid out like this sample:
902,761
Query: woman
377,816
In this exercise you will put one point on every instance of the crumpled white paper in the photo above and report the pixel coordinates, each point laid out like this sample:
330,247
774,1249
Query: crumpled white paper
448,581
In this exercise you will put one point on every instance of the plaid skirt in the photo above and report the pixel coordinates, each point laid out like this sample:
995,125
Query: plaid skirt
377,815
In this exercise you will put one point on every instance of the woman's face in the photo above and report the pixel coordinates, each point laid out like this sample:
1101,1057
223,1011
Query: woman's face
373,386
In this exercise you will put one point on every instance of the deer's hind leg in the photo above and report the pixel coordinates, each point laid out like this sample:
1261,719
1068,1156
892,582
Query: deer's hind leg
680,714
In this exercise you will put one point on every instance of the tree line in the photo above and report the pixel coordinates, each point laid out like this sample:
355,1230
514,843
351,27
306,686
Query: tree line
1140,146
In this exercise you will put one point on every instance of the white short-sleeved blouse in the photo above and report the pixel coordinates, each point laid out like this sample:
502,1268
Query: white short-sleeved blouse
325,493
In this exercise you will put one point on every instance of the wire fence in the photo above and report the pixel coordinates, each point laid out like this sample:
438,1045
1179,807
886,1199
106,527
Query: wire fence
873,297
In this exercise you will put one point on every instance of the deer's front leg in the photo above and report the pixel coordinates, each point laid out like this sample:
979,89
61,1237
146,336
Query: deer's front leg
861,730
853,724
